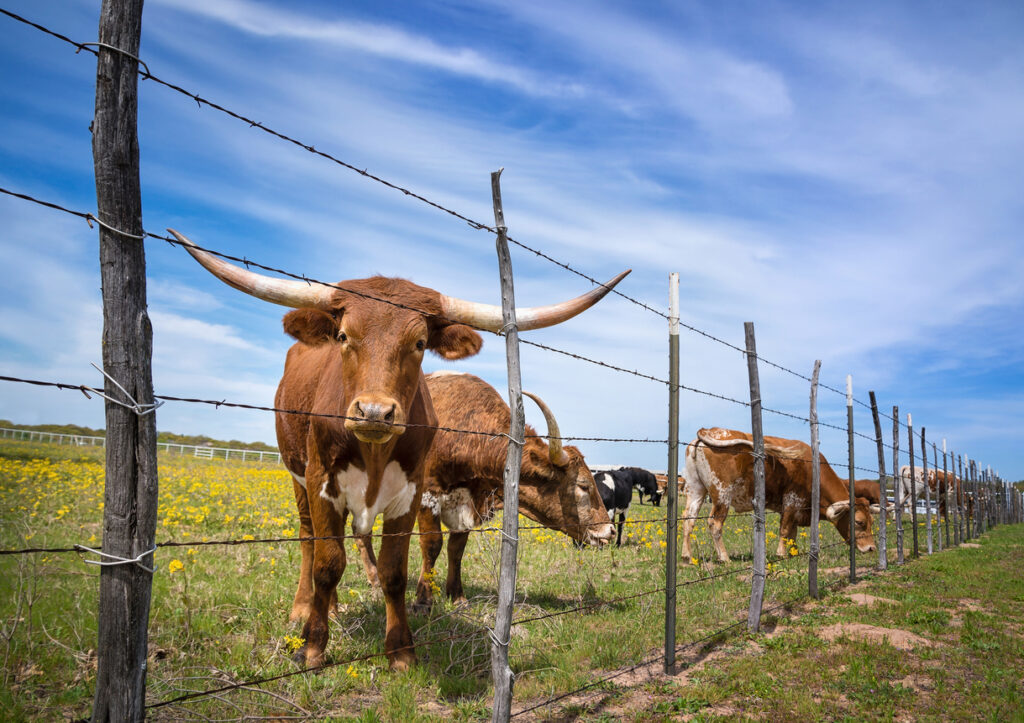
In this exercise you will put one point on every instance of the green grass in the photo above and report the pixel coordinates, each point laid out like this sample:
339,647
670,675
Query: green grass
219,613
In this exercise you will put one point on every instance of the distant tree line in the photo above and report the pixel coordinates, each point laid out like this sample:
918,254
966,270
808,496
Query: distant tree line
196,440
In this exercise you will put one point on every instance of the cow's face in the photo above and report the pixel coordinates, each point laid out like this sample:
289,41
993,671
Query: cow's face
566,499
838,514
379,351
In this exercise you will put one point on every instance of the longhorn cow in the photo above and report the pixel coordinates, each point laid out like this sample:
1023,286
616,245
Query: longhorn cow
360,420
720,464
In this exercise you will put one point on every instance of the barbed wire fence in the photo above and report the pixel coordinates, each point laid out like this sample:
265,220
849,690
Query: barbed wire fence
978,502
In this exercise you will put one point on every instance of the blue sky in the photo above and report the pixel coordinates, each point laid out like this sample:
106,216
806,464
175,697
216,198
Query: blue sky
845,175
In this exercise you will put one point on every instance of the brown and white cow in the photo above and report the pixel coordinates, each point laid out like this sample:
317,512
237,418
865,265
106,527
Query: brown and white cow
356,364
465,478
720,464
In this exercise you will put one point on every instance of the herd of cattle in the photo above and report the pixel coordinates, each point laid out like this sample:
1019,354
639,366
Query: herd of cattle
365,433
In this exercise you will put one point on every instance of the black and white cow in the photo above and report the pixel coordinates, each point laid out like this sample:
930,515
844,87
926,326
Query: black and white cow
616,491
643,482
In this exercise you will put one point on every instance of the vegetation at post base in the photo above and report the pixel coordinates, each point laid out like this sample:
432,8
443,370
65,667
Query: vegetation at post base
191,440
219,613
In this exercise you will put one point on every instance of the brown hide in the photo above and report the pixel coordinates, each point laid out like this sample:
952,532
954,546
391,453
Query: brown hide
465,478
720,464
869,489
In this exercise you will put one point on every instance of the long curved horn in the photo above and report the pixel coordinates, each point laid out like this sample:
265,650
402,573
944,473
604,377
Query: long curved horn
285,292
488,317
555,452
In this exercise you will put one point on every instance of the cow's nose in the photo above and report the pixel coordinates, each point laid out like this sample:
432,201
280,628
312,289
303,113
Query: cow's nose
375,419
374,411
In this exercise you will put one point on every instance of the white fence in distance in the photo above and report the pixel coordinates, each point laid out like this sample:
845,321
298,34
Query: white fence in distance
202,452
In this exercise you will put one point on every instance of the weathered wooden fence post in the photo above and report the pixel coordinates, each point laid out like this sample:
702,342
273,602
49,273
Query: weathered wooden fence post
883,551
913,482
941,494
927,491
897,483
501,636
673,469
853,508
130,492
757,578
965,511
950,474
812,560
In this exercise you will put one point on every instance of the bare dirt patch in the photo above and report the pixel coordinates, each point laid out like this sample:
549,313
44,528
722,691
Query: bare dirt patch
969,544
862,598
900,639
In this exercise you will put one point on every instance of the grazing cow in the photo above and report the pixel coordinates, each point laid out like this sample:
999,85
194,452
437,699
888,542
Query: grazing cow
643,482
360,420
720,464
465,478
616,493
936,485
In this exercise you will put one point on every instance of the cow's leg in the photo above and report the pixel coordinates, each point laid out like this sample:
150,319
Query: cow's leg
787,531
456,547
693,505
304,594
621,522
716,522
393,569
328,566
364,543
431,543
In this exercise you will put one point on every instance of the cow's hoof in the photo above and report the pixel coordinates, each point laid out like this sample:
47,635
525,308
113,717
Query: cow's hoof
299,613
421,607
308,657
401,661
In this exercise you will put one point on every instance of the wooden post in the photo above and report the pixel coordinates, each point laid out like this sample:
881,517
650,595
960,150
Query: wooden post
757,579
500,638
913,483
939,490
673,469
812,562
951,504
897,483
965,514
853,506
883,552
130,492
927,492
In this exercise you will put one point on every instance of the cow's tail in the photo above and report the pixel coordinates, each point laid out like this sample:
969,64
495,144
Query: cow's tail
695,483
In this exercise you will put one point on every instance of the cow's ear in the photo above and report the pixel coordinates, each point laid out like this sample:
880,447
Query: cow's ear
454,341
310,326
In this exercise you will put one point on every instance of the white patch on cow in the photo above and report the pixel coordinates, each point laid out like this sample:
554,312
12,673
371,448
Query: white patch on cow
793,501
393,500
300,480
447,373
430,502
457,510
605,479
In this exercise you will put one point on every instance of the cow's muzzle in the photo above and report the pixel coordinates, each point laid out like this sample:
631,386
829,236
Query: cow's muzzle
599,535
375,420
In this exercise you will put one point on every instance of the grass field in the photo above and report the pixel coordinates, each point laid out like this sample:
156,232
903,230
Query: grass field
219,613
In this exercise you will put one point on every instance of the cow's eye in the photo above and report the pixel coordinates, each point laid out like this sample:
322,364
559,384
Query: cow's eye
342,336
421,345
